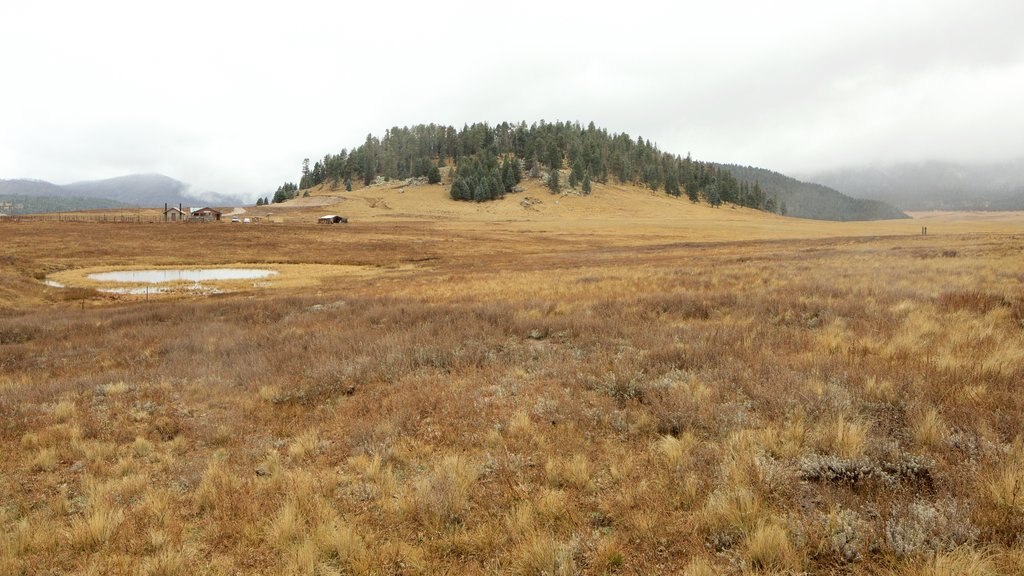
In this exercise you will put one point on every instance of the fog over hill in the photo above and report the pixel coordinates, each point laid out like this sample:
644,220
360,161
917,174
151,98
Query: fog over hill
934,185
145,190
811,200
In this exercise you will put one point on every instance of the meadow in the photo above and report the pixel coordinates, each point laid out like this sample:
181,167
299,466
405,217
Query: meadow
563,388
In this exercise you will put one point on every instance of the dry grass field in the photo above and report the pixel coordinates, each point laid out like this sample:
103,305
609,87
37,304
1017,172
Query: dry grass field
579,386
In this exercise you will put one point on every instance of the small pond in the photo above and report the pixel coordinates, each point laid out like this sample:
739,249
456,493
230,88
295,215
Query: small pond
181,275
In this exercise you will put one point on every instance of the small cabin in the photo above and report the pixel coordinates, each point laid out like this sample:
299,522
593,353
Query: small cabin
174,214
206,215
332,219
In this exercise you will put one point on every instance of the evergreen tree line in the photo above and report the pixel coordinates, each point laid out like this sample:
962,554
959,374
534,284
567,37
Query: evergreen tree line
480,151
286,191
483,178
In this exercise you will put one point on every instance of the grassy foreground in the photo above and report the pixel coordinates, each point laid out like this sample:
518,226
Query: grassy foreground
519,394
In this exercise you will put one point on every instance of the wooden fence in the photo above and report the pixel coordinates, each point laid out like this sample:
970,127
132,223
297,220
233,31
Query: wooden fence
57,217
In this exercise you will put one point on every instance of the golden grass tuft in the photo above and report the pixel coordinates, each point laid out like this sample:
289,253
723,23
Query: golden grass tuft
879,389
115,388
217,484
675,451
770,548
45,460
18,541
732,509
341,543
64,410
609,556
573,472
305,445
551,506
844,437
270,393
1005,489
284,528
142,447
543,555
156,539
167,563
443,496
96,528
928,428
700,567
271,466
29,441
957,562
301,558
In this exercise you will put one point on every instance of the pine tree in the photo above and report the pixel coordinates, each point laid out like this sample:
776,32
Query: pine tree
433,175
653,177
460,190
576,176
508,180
553,182
369,166
711,192
554,157
692,192
671,182
484,190
348,184
586,182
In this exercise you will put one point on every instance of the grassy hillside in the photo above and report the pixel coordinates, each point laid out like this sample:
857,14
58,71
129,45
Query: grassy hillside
611,209
809,200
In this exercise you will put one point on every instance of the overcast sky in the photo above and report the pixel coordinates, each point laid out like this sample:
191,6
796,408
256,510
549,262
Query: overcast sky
232,96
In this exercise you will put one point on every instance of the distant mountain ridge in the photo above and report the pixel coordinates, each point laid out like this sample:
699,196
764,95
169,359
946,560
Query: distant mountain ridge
815,201
144,190
11,204
935,185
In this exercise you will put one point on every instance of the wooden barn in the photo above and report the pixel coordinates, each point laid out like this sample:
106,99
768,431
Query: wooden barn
332,219
206,214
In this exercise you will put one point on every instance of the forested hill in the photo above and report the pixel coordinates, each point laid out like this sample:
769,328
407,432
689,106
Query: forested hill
486,162
809,200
